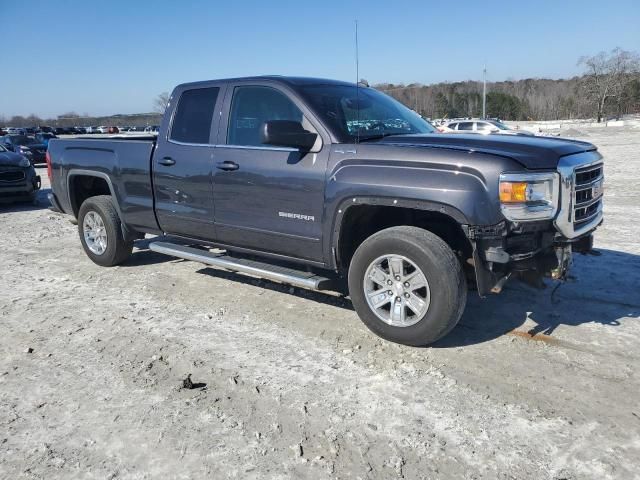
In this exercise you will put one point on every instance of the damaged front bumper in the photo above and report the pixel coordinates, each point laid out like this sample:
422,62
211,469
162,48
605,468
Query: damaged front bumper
533,249
528,251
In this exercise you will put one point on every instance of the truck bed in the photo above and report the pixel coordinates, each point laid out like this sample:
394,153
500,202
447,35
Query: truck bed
123,162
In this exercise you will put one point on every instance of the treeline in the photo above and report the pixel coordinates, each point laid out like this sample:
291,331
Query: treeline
72,119
529,99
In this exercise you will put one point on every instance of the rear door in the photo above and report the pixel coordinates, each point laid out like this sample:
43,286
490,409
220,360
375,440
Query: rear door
268,198
465,126
183,163
484,127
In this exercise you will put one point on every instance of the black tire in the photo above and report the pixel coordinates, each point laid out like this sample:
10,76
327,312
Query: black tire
440,266
117,250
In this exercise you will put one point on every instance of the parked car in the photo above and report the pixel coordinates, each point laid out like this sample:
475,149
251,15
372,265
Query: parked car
113,130
152,129
400,217
44,138
46,129
18,178
24,145
484,127
102,129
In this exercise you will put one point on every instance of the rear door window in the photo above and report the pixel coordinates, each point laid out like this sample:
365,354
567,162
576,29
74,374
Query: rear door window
468,126
194,114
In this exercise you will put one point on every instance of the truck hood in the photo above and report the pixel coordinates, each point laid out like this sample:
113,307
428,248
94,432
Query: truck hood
530,151
10,159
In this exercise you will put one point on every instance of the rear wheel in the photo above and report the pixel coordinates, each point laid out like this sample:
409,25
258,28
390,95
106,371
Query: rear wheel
407,285
100,232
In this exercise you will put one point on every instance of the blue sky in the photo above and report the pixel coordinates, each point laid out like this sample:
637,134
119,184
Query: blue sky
115,56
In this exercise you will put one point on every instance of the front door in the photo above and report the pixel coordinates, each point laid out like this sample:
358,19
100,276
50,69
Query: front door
267,198
183,163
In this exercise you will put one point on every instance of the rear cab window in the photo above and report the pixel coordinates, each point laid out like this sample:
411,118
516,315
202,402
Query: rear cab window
194,115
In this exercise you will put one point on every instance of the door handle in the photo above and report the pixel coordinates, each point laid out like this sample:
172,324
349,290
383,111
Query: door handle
227,165
167,161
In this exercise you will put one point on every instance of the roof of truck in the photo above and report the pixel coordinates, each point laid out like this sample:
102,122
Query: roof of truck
293,81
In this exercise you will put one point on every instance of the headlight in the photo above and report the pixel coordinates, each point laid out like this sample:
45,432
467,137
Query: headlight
529,196
24,162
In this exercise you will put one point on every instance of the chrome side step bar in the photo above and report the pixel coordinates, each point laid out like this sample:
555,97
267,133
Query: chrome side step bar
251,267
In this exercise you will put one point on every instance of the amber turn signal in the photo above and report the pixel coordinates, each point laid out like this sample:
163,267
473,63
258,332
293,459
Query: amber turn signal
513,192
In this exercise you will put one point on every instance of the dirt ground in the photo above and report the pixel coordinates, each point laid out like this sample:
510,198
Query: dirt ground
530,385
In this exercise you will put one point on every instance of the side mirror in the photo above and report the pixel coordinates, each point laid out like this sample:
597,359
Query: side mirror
286,133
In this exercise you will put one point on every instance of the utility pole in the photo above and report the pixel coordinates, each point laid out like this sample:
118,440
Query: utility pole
484,92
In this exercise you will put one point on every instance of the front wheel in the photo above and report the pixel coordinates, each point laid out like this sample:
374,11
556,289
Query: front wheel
100,232
407,285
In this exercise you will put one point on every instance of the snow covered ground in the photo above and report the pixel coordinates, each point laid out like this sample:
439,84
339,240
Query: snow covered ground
530,385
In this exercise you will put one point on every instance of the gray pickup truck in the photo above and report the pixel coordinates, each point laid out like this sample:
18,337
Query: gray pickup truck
329,185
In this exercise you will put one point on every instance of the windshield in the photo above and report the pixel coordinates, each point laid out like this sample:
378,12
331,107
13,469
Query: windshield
365,113
23,140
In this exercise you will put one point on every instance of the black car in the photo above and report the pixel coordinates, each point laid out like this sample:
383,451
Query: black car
18,179
31,148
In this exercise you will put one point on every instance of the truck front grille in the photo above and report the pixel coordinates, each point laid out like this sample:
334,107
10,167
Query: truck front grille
588,175
581,192
588,193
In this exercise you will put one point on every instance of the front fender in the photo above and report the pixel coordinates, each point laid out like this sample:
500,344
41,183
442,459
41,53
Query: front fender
460,185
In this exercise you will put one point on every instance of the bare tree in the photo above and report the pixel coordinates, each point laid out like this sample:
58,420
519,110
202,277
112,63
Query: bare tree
160,102
607,75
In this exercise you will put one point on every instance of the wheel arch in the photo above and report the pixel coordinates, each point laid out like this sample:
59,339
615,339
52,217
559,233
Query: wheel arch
76,197
104,186
357,218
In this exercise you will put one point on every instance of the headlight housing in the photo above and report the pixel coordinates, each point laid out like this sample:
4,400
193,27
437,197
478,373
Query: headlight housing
24,162
529,196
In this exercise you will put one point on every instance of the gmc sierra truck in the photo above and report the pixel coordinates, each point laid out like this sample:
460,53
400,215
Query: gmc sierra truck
330,185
